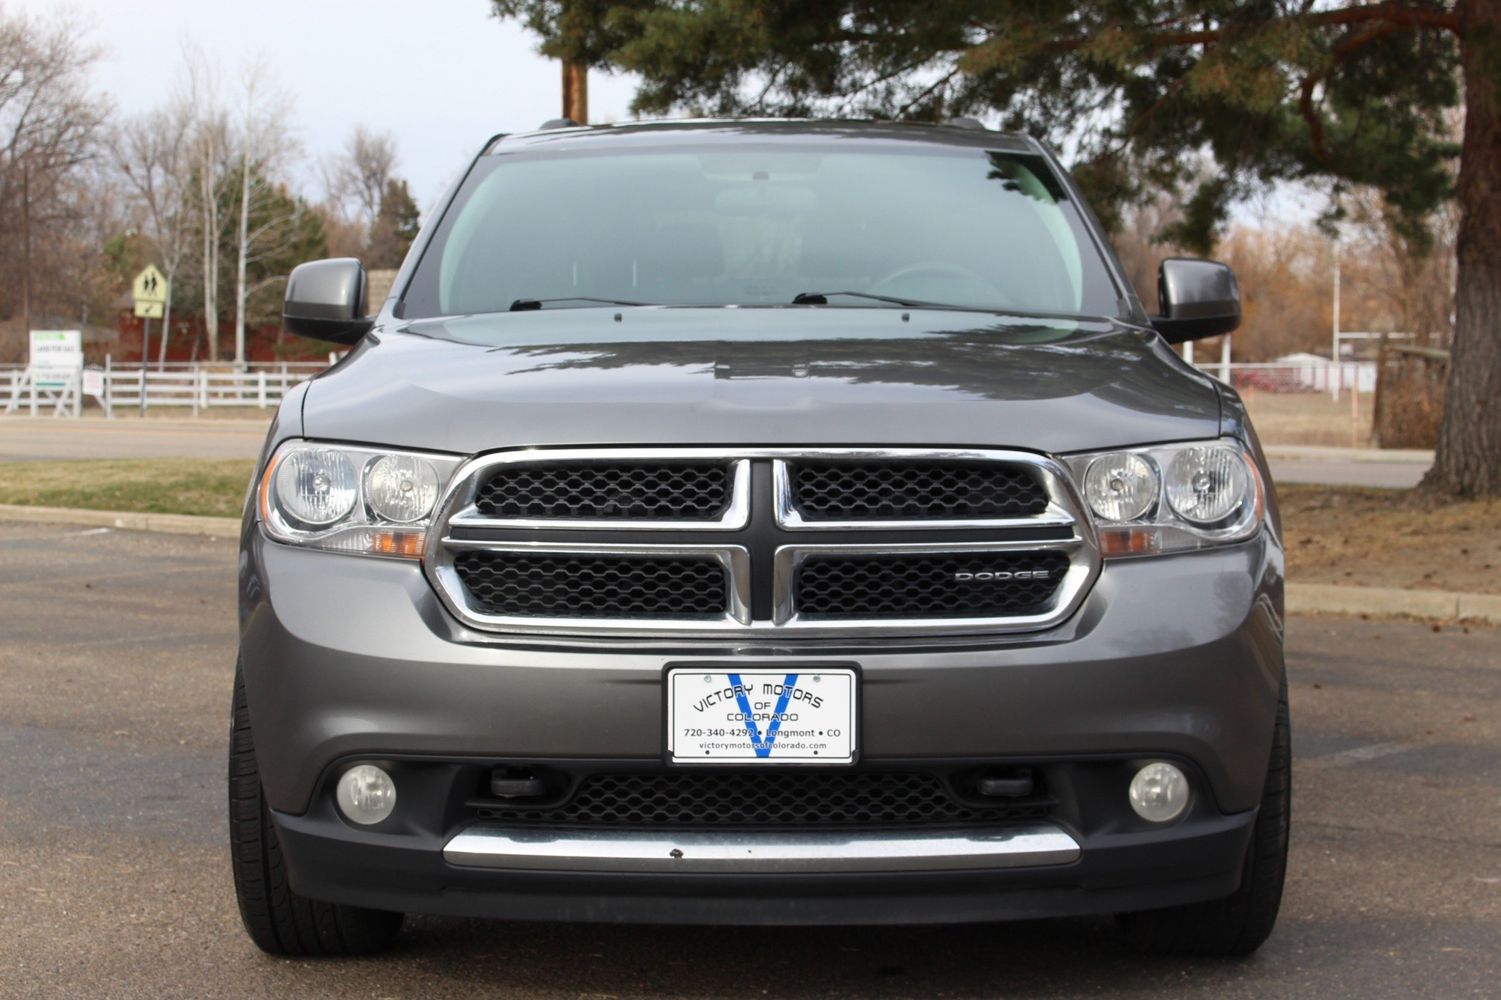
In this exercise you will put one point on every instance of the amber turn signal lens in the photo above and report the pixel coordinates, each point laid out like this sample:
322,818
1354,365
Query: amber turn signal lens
397,543
1129,541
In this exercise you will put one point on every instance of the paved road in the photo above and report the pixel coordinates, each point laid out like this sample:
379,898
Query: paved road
1385,475
115,667
25,439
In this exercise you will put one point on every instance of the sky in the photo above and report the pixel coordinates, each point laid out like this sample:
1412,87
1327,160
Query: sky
442,76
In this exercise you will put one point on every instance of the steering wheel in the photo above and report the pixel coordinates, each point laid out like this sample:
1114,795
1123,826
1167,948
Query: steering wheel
936,268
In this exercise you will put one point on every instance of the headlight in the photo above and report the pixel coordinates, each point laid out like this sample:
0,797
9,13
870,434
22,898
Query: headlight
1171,498
344,498
1207,485
401,488
316,486
1121,486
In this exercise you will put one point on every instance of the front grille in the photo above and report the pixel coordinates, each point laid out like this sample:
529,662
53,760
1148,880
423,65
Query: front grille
877,491
554,585
929,585
761,542
763,799
663,491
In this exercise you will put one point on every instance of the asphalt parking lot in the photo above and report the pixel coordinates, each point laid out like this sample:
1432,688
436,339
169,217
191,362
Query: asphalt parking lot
116,656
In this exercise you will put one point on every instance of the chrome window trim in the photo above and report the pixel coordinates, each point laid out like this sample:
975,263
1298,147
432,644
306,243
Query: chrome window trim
1065,509
789,518
734,559
466,482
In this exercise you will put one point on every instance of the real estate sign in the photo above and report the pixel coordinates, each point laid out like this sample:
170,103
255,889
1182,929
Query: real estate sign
56,357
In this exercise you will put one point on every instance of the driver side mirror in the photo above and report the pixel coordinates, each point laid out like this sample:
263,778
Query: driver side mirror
1198,298
326,300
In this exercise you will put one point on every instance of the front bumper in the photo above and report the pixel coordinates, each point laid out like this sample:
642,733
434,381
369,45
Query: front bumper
1176,657
1192,861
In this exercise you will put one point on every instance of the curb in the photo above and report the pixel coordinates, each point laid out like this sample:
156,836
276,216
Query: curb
1302,598
175,524
1391,602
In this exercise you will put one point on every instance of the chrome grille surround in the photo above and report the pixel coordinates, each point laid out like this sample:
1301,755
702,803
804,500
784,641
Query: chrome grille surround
458,526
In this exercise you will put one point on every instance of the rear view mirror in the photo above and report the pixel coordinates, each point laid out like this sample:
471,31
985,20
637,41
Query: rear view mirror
1198,298
326,300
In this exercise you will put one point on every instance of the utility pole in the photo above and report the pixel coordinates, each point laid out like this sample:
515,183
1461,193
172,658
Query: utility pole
1334,369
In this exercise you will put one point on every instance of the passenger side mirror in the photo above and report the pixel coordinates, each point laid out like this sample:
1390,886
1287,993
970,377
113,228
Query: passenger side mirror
326,300
1198,298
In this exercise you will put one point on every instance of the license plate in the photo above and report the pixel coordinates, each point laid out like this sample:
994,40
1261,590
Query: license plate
800,716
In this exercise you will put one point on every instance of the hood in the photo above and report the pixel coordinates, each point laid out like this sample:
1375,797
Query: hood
759,376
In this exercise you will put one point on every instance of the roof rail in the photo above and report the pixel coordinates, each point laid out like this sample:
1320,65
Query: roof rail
557,123
965,121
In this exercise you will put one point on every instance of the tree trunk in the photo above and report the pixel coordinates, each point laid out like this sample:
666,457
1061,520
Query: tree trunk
1468,461
243,243
210,257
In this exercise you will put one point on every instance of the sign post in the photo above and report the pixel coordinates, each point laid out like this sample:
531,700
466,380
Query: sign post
149,289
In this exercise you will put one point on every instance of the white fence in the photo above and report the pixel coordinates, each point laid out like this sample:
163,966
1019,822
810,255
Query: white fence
1298,376
191,386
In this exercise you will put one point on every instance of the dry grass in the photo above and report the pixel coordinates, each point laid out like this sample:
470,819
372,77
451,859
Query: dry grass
213,487
1309,418
1390,538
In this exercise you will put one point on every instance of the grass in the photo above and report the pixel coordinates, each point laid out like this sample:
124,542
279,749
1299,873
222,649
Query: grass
213,487
1309,418
1390,538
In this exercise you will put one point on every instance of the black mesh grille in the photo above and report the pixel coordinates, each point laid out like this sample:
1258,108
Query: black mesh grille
589,586
764,798
658,491
914,490
928,586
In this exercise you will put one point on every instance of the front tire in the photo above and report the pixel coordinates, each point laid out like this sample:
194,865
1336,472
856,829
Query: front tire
278,920
1242,921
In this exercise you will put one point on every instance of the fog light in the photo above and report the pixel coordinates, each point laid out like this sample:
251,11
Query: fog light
1159,792
367,794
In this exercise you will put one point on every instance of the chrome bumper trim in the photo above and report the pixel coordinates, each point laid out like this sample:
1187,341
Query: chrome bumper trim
752,853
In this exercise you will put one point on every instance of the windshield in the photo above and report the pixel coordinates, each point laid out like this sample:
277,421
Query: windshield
762,225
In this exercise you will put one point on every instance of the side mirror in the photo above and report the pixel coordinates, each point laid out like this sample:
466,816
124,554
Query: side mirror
326,301
1198,298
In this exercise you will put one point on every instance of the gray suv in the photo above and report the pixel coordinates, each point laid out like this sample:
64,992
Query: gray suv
770,522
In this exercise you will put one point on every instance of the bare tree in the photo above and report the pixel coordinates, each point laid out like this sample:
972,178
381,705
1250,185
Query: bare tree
264,141
154,155
209,154
50,124
356,177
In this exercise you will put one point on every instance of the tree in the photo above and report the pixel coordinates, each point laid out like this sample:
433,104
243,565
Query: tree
395,227
357,177
210,166
1340,93
152,154
280,232
365,194
264,139
50,130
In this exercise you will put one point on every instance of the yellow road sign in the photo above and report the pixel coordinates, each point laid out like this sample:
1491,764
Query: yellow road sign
148,286
150,310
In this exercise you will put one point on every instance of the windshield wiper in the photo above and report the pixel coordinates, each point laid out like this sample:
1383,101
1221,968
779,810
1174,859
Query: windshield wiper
526,305
822,299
